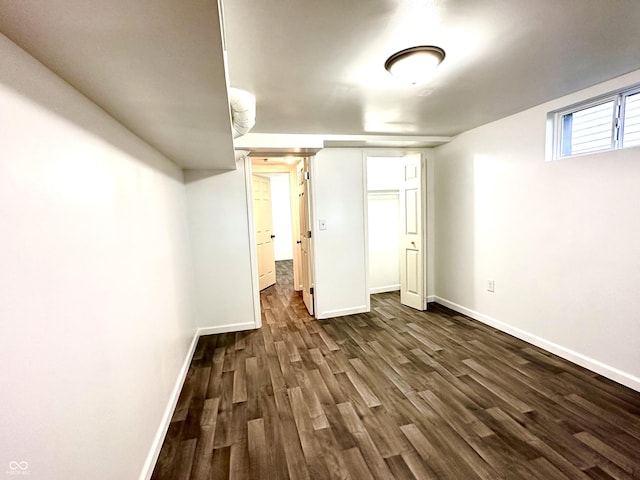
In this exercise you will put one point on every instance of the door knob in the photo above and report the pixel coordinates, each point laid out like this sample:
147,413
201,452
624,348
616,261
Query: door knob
273,236
299,242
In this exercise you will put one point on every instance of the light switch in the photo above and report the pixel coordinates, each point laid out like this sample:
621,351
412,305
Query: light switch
322,224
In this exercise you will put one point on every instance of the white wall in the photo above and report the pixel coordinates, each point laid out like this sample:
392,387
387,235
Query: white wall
281,215
94,281
225,295
560,239
338,185
384,178
384,255
337,182
384,173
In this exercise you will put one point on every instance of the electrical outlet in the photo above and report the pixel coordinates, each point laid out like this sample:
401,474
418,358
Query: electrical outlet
491,286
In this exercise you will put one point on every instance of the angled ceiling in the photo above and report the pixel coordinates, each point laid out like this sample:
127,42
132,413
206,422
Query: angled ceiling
156,66
317,67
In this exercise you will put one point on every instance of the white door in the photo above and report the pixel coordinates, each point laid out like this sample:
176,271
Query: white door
411,234
264,231
294,181
305,236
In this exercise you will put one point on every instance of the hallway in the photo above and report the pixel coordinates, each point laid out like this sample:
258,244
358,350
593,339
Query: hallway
394,393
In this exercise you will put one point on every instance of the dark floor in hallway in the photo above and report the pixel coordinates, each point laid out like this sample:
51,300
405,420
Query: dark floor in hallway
393,393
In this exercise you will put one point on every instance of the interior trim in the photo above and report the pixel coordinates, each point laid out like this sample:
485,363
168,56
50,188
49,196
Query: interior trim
589,363
158,440
154,452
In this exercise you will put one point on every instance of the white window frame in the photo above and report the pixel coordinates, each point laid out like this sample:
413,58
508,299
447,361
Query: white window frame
623,102
555,122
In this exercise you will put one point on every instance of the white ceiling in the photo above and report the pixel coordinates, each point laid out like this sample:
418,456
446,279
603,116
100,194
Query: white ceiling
156,66
317,66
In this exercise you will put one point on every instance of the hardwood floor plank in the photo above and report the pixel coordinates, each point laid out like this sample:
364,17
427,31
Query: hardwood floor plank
392,393
545,470
501,393
210,412
319,387
170,447
622,420
370,452
318,417
221,463
215,377
295,461
276,458
442,468
305,429
456,439
184,460
418,469
398,467
223,421
239,461
203,454
365,392
332,455
624,462
596,473
184,399
257,449
563,441
253,387
239,382
356,464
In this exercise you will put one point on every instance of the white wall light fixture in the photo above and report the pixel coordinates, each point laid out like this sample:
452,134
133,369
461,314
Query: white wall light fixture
416,64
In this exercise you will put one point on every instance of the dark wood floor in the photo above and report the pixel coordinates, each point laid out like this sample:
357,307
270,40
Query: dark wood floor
393,393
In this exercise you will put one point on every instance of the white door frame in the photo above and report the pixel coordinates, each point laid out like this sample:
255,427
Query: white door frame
253,246
295,217
309,167
253,253
426,194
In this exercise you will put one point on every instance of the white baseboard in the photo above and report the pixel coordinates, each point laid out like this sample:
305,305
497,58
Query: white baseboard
341,312
158,440
233,327
386,288
152,458
589,363
431,298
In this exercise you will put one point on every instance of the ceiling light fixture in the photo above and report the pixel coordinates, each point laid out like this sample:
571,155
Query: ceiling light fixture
416,64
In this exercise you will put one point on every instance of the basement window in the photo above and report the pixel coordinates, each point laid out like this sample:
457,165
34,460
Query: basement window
601,124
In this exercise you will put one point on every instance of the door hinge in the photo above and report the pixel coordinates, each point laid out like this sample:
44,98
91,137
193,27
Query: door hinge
307,176
311,290
309,234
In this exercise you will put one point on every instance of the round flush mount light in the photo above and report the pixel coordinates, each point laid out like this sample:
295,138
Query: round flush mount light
416,64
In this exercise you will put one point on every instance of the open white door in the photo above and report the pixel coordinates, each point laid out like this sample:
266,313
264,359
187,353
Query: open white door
294,175
411,235
305,236
264,231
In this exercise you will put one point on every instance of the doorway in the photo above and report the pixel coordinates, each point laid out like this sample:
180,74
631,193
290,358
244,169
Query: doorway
288,183
395,227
